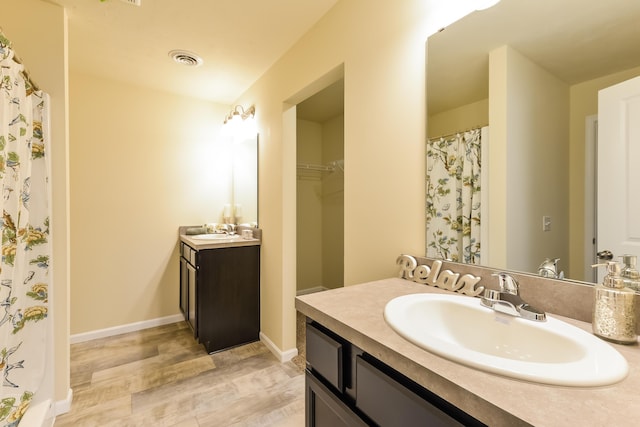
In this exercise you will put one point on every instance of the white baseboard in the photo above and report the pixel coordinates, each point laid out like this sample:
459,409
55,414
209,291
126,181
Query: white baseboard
123,329
282,356
64,406
311,290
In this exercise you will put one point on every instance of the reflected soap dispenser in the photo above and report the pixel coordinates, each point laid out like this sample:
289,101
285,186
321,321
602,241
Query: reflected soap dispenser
630,276
614,316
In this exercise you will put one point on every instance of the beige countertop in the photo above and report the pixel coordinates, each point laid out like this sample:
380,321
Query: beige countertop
216,244
356,314
199,244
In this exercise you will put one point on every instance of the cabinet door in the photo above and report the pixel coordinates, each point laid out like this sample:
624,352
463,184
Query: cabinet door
192,317
228,296
184,288
324,409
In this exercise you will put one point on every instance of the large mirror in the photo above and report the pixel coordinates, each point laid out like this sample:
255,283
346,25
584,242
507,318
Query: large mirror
245,179
539,169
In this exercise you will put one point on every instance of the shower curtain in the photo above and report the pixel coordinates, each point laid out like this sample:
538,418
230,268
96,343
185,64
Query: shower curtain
453,197
24,265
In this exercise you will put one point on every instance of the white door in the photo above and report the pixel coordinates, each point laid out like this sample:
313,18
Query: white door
619,169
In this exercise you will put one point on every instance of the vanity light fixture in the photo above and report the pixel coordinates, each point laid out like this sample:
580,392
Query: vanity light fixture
240,124
238,114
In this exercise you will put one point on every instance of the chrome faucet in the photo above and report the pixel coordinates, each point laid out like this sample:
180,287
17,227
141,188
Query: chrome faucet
507,300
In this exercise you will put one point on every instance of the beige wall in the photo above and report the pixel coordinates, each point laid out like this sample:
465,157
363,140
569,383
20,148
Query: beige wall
382,50
528,113
144,183
333,204
143,162
38,31
320,206
309,207
469,116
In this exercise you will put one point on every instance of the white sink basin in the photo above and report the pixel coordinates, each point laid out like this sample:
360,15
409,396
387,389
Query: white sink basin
218,236
460,329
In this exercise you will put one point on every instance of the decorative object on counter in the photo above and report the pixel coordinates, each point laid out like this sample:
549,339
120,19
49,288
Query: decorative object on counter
255,231
630,276
432,276
247,234
614,317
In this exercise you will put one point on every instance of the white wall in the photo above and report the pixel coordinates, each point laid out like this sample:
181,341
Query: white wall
528,115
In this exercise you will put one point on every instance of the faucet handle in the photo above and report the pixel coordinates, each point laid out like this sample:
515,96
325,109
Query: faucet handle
507,283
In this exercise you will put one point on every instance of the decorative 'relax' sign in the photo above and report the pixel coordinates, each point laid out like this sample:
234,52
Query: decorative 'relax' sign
432,276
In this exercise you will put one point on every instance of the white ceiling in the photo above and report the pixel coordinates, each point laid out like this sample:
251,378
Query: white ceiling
238,39
576,40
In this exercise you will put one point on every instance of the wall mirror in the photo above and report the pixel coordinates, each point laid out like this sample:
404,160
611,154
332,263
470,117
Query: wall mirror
541,168
245,179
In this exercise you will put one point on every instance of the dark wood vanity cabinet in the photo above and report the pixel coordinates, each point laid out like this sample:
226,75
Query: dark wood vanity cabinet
345,386
220,294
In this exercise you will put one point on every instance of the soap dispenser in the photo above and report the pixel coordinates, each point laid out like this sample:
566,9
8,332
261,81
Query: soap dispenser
614,316
630,276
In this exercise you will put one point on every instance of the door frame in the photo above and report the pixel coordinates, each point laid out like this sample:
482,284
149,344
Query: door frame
590,197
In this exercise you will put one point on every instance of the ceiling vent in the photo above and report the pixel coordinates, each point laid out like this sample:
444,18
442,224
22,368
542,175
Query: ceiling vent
185,57
133,2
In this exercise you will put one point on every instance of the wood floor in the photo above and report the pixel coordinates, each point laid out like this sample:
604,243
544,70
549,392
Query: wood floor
162,377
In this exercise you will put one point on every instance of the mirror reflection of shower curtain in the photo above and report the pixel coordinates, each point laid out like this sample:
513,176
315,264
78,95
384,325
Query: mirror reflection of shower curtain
24,267
453,197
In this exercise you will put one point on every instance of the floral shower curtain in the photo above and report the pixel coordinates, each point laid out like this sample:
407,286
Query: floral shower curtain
24,265
453,197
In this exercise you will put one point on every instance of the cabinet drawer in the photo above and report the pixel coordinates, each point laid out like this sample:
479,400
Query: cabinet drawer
325,409
389,403
185,251
188,253
325,356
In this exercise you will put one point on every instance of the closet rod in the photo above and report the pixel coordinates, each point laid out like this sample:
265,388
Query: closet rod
312,167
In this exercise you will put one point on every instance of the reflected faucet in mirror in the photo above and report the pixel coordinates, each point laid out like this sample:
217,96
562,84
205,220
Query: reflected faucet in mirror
549,268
